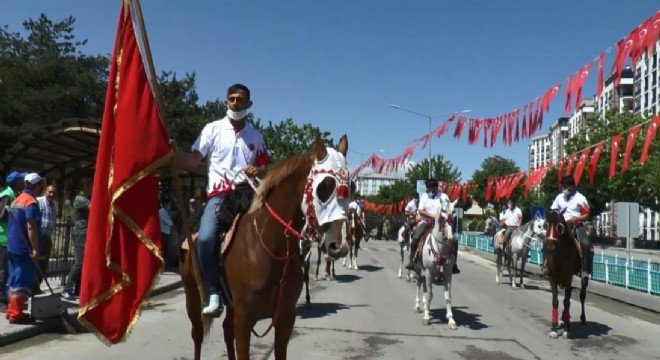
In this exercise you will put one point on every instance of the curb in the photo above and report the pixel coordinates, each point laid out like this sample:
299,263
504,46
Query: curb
55,324
620,294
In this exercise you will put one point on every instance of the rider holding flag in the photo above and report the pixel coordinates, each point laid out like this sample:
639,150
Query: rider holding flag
358,205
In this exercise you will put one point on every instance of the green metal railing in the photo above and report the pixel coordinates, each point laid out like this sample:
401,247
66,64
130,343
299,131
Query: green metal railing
639,275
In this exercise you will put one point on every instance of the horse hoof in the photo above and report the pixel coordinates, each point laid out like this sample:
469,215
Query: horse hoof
522,286
513,285
418,309
553,334
566,335
426,322
452,325
583,320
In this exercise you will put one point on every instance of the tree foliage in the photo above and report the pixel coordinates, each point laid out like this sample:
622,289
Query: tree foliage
286,139
443,170
399,190
492,167
45,78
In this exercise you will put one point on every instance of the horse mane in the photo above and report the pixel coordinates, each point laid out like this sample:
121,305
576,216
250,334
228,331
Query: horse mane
276,177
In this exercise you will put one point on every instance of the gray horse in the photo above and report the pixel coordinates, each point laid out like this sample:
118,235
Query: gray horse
517,249
437,259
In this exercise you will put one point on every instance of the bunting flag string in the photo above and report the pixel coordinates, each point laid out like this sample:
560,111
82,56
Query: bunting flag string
640,40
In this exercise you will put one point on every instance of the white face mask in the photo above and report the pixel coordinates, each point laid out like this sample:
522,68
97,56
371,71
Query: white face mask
566,192
236,115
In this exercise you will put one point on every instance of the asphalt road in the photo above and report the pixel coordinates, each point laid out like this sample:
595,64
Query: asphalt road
368,314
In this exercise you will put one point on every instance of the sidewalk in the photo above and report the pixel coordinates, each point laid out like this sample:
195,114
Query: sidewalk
10,334
631,297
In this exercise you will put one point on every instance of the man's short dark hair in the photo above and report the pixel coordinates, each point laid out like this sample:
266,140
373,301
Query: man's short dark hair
415,195
238,87
431,182
567,181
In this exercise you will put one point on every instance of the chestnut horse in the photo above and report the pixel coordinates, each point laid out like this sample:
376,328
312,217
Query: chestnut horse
262,264
354,235
563,261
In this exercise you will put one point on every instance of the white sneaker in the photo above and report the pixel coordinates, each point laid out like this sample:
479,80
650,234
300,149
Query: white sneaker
214,307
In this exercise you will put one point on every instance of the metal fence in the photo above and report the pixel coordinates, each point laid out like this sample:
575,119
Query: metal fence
639,275
62,253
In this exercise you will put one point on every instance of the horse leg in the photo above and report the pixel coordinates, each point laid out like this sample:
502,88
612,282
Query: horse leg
447,284
428,275
193,304
566,314
318,262
523,262
283,331
355,256
583,297
418,307
347,257
243,332
228,330
509,260
555,306
498,264
306,279
401,262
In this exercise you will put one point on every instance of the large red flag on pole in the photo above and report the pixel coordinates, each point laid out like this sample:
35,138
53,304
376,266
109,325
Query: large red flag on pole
123,256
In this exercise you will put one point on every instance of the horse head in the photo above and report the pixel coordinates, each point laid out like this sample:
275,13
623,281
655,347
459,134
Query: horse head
327,194
556,229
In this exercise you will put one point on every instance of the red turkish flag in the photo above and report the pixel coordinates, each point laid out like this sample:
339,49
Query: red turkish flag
630,142
614,155
580,78
601,63
569,90
459,127
571,161
123,251
650,135
652,36
582,162
594,161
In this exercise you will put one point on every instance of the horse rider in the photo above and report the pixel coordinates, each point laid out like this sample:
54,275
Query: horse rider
358,206
411,214
430,204
512,219
234,149
575,209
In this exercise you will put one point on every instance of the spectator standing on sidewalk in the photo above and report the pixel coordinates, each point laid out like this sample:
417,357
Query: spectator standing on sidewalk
24,227
7,195
48,219
81,205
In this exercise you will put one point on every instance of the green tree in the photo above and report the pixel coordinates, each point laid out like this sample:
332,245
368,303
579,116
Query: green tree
399,190
45,78
493,167
286,139
638,184
443,170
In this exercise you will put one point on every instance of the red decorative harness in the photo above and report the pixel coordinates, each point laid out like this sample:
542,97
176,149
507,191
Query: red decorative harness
312,227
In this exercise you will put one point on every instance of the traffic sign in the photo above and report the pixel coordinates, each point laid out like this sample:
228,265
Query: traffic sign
538,212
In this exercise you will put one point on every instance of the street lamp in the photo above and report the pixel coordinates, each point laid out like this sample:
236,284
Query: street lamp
430,118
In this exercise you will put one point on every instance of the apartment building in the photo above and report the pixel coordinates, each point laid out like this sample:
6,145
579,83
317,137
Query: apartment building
580,117
558,138
620,97
539,151
646,79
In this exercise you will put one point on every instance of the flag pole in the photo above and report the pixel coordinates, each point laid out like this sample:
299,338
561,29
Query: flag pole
178,186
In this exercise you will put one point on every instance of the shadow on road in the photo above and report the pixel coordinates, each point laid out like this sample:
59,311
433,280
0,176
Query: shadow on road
319,310
370,268
462,318
346,278
591,328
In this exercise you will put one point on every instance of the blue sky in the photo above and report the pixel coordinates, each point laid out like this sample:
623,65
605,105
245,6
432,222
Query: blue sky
339,64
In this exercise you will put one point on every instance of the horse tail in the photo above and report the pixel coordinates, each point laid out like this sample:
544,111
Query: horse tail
207,322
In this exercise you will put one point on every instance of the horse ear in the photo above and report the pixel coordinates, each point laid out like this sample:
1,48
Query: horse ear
343,145
319,147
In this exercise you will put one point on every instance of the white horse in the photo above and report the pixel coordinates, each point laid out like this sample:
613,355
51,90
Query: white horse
518,249
404,242
437,258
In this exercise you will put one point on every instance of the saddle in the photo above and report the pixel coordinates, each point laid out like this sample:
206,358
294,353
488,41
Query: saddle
422,240
226,239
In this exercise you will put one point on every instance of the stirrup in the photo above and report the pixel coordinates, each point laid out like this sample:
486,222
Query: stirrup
215,306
